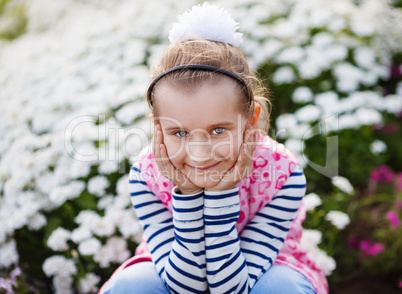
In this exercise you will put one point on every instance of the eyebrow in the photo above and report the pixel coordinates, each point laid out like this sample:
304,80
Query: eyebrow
220,124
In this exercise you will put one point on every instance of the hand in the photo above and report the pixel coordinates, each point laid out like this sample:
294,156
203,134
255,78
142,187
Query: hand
243,165
166,167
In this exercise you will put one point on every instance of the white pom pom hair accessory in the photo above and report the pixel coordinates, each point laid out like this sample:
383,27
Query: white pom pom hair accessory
206,21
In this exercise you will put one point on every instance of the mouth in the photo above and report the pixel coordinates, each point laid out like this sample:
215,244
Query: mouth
198,168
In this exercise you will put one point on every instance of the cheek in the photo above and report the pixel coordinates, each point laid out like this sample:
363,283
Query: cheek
175,149
227,149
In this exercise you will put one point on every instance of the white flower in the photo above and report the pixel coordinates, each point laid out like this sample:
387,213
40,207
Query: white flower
61,194
284,75
367,116
58,239
210,22
108,166
302,95
88,283
284,29
37,221
81,233
115,250
336,52
102,226
364,56
311,201
308,113
326,263
322,39
343,184
271,47
105,201
348,77
348,121
63,284
311,67
327,101
130,112
310,238
8,254
338,219
399,87
378,147
122,186
294,145
86,217
291,55
89,246
299,131
319,17
127,224
393,103
58,265
79,168
337,23
362,27
284,123
97,185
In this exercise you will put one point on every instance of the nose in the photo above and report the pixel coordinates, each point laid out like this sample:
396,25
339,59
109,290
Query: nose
199,146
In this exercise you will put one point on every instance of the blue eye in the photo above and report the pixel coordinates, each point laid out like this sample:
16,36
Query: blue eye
181,134
218,131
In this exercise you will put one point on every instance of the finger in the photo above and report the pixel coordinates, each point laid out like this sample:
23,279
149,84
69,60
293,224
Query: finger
175,174
246,162
157,153
235,173
250,142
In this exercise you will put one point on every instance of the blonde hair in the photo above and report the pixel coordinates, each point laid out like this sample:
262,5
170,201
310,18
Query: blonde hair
216,54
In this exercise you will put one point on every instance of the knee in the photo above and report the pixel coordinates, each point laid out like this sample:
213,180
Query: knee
283,280
141,278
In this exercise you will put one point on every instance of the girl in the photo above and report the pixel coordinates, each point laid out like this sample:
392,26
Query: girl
219,201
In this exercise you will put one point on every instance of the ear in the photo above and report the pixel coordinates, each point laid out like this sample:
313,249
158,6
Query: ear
151,117
256,115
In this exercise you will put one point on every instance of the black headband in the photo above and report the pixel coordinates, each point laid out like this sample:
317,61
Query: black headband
199,67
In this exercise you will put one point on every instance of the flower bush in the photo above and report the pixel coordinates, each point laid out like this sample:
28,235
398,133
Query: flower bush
74,118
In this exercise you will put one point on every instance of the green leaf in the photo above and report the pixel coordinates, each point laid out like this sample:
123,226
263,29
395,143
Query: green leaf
87,201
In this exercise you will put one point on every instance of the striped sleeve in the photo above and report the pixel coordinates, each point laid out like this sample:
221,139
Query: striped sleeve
263,237
176,242
234,264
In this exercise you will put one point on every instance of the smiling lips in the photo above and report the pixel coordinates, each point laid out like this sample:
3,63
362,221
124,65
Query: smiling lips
203,168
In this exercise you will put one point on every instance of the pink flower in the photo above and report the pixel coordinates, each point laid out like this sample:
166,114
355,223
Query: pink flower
371,249
382,173
353,242
393,218
398,204
400,284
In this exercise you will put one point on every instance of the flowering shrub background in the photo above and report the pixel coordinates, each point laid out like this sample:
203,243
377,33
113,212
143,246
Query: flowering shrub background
73,74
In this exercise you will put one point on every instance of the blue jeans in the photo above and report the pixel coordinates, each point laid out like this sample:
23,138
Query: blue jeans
142,278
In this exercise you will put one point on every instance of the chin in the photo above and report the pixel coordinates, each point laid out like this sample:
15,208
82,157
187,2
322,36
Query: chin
205,183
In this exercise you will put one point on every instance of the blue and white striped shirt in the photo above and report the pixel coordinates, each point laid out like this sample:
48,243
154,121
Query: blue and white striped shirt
197,249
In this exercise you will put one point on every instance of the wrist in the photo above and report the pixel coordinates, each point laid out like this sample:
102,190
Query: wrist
189,192
220,189
221,198
178,191
187,207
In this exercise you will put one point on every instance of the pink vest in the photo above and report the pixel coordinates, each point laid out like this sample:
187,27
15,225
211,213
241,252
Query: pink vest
272,165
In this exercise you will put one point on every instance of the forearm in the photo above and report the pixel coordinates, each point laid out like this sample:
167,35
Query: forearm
176,243
225,262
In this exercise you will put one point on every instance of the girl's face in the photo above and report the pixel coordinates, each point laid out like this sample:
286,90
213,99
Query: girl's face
202,129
